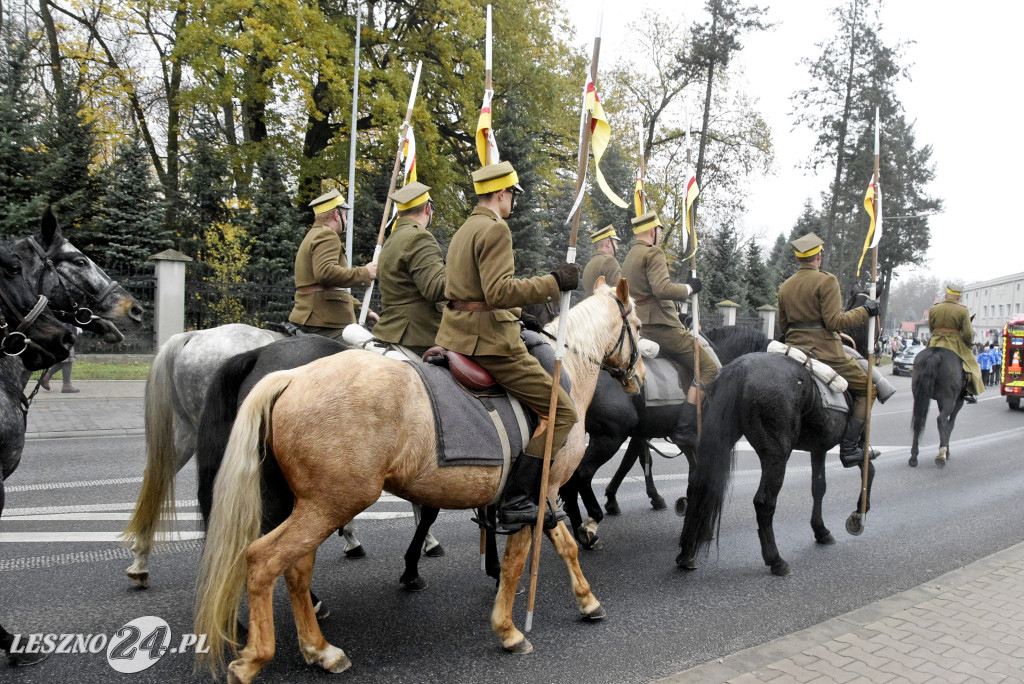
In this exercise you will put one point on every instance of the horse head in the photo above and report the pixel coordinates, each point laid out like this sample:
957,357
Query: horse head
857,336
624,361
27,328
78,288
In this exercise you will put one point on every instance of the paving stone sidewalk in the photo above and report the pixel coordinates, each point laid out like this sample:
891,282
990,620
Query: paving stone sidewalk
964,626
102,408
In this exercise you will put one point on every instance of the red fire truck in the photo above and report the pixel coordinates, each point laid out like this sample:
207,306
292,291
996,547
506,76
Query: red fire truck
1012,385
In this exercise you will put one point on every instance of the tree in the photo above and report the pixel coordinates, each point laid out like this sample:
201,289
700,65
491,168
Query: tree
757,279
21,157
66,179
722,268
276,226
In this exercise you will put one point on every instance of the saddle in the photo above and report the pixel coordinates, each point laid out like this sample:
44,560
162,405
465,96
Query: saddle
832,387
663,385
286,328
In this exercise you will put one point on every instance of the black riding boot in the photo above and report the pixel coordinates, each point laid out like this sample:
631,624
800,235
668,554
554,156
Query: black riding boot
851,449
518,507
684,434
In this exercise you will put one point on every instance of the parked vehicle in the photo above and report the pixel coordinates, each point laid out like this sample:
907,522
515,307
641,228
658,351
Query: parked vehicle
903,364
1011,383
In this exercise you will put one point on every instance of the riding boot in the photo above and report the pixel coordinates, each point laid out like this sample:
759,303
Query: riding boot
684,434
518,507
66,371
851,451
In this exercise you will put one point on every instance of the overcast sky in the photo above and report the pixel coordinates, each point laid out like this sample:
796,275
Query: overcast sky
961,99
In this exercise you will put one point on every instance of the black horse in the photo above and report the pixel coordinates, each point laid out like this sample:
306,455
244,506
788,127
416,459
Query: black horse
939,375
614,417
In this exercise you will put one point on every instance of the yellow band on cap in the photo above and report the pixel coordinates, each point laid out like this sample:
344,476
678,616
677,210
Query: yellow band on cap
602,235
413,203
328,205
811,252
952,292
496,184
650,224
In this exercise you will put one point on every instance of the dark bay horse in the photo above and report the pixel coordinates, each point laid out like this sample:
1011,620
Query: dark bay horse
939,375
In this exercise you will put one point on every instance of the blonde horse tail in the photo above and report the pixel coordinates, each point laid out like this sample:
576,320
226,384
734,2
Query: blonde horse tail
234,522
157,494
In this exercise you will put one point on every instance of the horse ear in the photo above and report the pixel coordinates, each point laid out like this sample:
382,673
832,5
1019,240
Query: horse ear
599,282
48,227
622,290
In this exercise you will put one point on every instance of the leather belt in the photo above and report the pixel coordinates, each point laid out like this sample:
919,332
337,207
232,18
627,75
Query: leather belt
952,330
317,287
813,325
459,305
644,301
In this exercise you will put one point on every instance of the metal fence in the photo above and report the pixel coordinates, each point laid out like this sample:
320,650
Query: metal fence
138,338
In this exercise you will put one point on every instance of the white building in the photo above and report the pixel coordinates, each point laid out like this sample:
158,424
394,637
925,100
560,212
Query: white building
993,303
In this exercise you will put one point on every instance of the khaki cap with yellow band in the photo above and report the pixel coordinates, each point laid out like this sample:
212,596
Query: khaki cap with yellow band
606,232
494,177
411,196
807,245
327,201
646,222
954,290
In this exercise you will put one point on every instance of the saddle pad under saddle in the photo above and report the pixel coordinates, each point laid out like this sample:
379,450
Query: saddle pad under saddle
466,432
661,384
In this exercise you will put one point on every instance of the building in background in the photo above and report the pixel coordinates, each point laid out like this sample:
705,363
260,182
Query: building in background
993,303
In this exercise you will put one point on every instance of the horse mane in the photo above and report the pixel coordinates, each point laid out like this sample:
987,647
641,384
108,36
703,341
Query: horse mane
732,341
587,333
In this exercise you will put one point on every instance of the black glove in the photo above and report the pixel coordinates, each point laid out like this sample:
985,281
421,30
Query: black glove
567,276
695,284
530,322
872,306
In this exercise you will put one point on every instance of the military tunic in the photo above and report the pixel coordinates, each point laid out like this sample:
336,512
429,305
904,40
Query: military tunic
480,268
811,317
320,265
646,269
411,274
950,326
600,264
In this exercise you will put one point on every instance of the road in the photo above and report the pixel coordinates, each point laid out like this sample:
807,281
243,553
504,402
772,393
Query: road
60,571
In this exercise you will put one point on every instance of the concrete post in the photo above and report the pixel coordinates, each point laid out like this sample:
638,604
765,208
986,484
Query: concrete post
727,310
767,315
169,310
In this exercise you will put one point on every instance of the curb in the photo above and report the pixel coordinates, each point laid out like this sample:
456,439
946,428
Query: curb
71,434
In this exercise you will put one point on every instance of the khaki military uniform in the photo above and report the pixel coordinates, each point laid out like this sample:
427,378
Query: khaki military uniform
480,270
811,317
321,273
600,264
411,273
950,325
646,269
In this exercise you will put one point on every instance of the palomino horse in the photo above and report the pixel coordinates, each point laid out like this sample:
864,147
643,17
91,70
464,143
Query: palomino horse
337,464
938,375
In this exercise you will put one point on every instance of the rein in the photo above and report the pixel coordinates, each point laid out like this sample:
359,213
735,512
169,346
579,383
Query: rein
13,343
623,375
79,315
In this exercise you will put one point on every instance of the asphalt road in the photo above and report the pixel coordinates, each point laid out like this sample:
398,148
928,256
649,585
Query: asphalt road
61,573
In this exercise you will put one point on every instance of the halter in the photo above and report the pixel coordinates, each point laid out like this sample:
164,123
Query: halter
80,315
13,343
623,375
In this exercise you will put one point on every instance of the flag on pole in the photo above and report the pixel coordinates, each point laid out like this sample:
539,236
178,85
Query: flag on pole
600,134
485,134
409,156
691,195
875,228
638,195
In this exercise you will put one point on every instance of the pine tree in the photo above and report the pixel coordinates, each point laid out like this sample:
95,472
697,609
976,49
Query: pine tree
758,279
66,179
206,187
20,156
721,268
276,226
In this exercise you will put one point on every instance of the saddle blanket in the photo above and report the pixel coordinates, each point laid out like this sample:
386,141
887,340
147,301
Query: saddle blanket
661,384
480,431
836,400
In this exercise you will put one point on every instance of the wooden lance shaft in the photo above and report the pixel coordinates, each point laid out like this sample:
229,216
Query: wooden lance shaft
391,188
871,346
563,319
487,161
691,219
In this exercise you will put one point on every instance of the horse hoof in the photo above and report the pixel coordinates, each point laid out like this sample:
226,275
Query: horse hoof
912,462
940,462
612,507
827,539
587,539
686,563
25,659
140,578
356,552
854,524
681,504
658,503
595,615
414,585
521,648
433,551
321,611
781,569
335,662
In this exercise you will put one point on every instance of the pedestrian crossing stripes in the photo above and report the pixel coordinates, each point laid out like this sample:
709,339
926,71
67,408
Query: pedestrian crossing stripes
72,485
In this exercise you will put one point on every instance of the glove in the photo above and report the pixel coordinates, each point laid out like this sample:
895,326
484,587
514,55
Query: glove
530,322
567,276
872,306
695,284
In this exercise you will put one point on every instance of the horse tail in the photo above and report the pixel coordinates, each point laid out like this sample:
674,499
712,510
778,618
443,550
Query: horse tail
157,493
709,480
215,423
923,384
234,522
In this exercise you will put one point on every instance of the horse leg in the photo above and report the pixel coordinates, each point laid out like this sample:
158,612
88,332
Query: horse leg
491,563
353,547
410,579
647,463
772,475
516,549
570,495
871,479
822,535
312,645
595,514
431,546
566,547
947,416
628,459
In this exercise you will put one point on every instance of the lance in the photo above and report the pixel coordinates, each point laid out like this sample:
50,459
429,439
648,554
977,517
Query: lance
856,524
391,189
352,139
641,197
691,220
487,161
563,319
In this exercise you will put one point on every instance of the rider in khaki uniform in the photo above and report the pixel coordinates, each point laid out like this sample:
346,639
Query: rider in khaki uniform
603,263
654,293
322,304
811,317
481,320
410,270
950,325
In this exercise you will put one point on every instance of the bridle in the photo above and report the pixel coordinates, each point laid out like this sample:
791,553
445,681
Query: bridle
623,375
79,315
14,342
